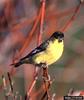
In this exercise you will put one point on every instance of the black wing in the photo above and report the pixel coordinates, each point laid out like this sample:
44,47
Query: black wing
40,48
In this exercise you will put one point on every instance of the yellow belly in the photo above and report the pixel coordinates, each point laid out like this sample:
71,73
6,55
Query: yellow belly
51,54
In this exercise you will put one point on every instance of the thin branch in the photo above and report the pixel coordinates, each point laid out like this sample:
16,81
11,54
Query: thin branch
72,18
47,82
10,81
42,22
5,87
32,85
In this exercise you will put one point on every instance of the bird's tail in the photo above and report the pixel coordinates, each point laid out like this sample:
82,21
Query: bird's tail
20,62
17,64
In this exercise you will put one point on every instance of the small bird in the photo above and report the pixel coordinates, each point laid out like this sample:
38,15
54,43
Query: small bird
45,54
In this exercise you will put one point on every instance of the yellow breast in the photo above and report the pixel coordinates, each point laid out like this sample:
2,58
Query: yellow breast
51,54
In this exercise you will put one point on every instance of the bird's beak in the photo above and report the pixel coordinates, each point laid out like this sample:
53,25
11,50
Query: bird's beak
60,39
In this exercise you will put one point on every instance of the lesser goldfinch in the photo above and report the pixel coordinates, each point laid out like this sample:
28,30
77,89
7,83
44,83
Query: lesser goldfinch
46,53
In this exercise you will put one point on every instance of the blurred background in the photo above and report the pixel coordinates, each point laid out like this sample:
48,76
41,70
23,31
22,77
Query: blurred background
17,18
